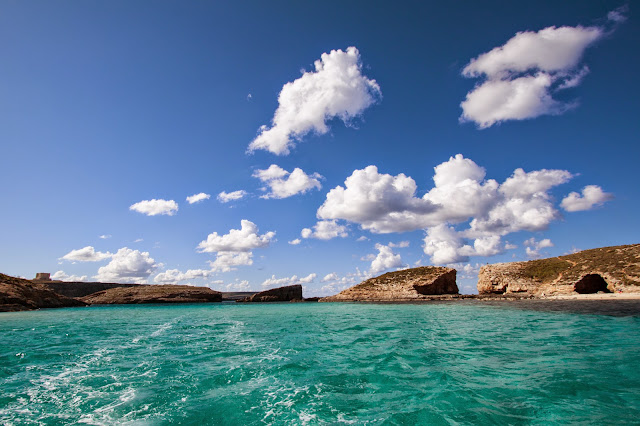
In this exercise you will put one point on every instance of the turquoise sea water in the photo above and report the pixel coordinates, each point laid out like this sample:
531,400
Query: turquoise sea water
320,363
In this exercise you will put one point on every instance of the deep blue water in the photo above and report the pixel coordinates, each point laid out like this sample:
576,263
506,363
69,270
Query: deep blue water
323,363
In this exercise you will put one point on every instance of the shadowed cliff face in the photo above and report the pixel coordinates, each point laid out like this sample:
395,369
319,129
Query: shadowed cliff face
444,284
17,294
603,269
280,294
591,283
408,284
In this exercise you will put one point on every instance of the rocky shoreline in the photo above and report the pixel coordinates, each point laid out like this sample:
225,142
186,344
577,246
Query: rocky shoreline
422,283
596,275
17,294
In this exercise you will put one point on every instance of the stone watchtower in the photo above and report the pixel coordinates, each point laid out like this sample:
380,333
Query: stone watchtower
43,276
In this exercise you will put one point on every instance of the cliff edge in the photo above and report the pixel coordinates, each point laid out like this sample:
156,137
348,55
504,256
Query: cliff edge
280,294
408,284
153,294
17,294
606,269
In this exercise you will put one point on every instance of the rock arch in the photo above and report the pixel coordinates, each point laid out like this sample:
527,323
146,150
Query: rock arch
591,283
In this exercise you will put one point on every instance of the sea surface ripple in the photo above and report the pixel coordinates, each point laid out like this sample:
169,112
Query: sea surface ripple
322,363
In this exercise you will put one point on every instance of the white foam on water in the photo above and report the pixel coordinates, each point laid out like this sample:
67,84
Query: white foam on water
162,328
305,417
341,419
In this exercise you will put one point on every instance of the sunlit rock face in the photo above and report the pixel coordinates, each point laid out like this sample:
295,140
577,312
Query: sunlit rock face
17,294
408,284
605,269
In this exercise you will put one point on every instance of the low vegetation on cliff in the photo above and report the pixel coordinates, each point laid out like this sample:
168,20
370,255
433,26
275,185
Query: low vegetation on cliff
618,266
18,294
154,294
407,284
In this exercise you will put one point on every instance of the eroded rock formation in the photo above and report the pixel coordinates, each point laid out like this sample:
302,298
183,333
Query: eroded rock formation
604,269
154,294
591,283
408,284
17,294
280,294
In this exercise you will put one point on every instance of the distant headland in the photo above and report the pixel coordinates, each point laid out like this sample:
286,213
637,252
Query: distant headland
608,271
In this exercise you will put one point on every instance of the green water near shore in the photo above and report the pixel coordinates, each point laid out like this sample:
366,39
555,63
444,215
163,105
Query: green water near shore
321,363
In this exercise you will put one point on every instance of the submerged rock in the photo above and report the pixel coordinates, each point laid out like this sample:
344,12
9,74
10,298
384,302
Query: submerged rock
154,294
605,269
408,284
280,294
17,294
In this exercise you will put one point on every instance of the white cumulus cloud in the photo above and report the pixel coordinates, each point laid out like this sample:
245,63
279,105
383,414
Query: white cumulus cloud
461,194
174,275
330,277
446,246
198,197
225,197
521,76
592,195
551,49
61,276
378,202
280,282
325,230
237,240
518,99
128,266
86,254
385,259
235,248
401,244
155,207
337,88
295,242
229,260
522,203
533,247
238,285
382,203
283,184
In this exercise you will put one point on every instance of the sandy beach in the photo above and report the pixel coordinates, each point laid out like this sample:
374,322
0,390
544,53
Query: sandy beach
597,296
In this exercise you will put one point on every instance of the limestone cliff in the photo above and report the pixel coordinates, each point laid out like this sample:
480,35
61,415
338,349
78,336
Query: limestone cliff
81,289
17,294
408,284
604,269
153,294
280,294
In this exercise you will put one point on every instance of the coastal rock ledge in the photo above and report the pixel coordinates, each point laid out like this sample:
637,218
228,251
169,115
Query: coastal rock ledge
405,285
280,294
606,269
153,294
18,294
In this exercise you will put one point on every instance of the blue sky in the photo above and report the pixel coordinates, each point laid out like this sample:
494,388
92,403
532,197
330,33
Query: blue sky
106,106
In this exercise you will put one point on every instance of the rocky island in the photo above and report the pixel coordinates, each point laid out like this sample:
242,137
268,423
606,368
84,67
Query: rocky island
281,294
606,270
601,270
17,294
405,285
153,294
